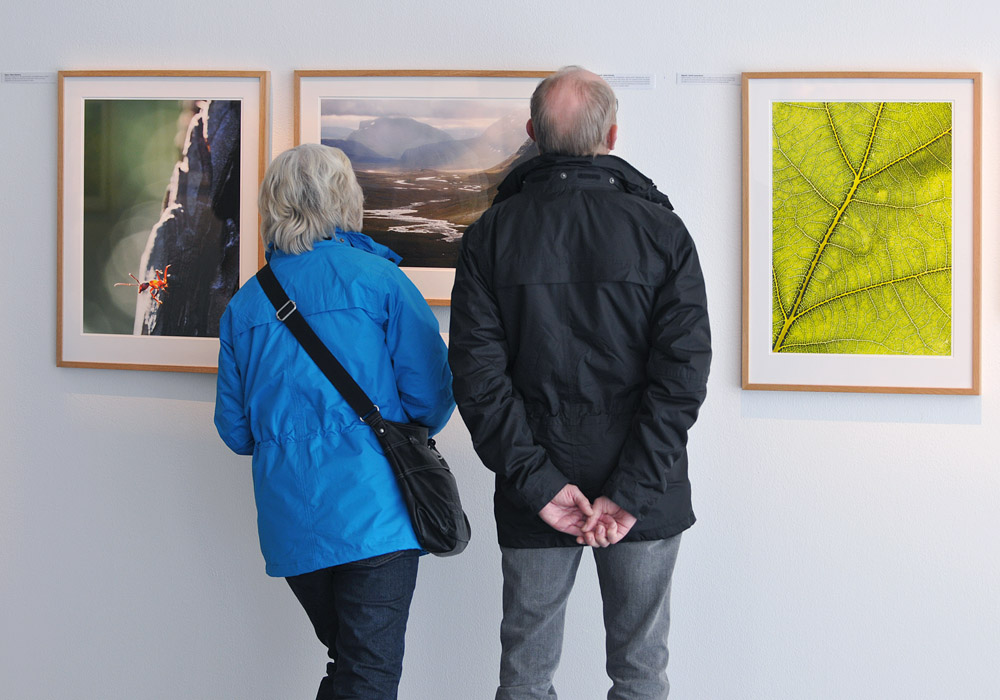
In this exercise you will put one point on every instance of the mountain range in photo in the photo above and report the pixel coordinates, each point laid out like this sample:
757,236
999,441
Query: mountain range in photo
424,185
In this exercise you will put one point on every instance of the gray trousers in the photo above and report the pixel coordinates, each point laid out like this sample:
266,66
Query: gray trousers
635,588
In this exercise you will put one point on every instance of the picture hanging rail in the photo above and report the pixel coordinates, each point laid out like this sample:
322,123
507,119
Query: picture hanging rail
429,149
861,232
158,226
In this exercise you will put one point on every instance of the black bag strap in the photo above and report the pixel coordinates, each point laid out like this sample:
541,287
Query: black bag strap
288,313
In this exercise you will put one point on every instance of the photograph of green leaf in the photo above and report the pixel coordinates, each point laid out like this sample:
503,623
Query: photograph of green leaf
862,228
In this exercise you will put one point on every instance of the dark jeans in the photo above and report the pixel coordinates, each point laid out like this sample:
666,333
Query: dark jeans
359,611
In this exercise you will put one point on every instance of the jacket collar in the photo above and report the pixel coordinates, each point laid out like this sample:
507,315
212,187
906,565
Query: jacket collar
352,238
626,177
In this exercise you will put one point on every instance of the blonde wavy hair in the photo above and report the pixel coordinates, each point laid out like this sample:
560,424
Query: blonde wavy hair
307,192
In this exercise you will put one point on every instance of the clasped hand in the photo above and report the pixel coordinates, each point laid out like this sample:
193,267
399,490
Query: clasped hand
596,524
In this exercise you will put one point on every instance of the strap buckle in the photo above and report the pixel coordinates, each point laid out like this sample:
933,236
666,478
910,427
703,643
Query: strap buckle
374,411
282,314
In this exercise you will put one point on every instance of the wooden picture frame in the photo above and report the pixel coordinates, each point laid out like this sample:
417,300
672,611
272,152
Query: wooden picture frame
429,148
157,212
861,232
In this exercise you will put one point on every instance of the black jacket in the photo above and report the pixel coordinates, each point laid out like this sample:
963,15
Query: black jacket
580,345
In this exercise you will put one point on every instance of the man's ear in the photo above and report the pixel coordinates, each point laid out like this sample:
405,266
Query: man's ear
612,137
530,129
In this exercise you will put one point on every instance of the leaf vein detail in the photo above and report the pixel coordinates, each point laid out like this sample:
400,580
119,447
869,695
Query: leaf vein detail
804,177
877,285
912,153
836,136
793,313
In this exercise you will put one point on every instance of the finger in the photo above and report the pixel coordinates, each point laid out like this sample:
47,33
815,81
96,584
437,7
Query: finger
582,502
611,532
574,527
569,529
625,524
605,522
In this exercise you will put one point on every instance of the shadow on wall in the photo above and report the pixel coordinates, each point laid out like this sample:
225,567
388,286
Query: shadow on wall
862,408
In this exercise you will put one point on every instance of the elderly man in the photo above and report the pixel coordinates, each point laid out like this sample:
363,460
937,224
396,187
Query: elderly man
580,349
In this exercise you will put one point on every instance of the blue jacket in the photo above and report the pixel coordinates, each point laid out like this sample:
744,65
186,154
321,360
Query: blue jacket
325,493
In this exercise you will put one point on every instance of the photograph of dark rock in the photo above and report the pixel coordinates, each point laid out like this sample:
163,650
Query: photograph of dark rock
161,215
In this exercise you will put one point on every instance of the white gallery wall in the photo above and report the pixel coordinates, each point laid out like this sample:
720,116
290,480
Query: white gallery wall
847,546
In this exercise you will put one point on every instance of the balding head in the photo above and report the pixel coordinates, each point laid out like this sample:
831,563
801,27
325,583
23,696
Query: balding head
573,113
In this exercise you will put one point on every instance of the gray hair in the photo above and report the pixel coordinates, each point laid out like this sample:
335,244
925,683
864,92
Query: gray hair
582,131
308,191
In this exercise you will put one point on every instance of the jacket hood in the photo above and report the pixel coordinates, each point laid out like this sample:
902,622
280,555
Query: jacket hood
365,243
631,180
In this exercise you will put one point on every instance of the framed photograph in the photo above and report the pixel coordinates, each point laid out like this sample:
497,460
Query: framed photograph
429,149
861,232
158,178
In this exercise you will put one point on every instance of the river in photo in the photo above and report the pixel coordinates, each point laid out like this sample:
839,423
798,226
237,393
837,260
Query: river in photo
422,214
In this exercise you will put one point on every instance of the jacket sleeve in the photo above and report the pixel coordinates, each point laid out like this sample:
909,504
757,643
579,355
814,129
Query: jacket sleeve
230,418
419,356
677,375
491,408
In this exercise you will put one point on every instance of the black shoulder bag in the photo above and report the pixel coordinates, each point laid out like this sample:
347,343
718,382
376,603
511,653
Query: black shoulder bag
427,484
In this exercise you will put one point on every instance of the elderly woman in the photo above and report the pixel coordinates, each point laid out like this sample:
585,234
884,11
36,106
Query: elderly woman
330,516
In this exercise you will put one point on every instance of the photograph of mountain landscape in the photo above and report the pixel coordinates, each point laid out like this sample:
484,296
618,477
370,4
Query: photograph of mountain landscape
429,167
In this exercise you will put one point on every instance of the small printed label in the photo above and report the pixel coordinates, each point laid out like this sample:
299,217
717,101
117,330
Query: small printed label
630,81
708,78
28,78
